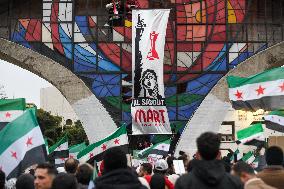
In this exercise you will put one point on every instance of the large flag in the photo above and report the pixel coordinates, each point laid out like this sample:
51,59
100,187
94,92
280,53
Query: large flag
75,149
148,108
161,148
10,109
248,157
96,150
262,91
22,145
275,120
252,135
59,151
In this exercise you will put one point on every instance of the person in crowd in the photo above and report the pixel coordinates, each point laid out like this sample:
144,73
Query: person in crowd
145,173
64,181
161,167
44,175
185,160
116,174
145,170
2,179
84,174
246,173
71,165
172,176
273,174
158,182
208,170
25,181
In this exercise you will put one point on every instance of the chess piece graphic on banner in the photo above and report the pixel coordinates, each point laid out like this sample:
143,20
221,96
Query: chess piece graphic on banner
152,54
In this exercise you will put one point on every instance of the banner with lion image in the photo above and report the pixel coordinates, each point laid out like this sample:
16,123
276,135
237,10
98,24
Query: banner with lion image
148,108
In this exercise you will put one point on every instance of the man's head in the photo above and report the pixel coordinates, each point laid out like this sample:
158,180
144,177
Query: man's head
71,165
44,175
145,169
84,173
2,179
208,145
274,156
244,171
65,181
114,158
25,181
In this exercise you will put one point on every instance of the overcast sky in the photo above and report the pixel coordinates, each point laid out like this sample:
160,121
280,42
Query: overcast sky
20,83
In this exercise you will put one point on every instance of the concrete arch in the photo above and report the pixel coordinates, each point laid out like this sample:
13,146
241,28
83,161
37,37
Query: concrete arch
213,109
95,119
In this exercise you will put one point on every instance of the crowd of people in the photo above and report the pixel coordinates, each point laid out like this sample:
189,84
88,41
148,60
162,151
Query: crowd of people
206,170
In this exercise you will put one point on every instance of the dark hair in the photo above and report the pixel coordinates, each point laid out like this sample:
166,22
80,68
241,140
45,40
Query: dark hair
71,165
208,145
114,158
25,181
274,156
51,170
64,181
242,167
158,181
2,179
84,173
147,167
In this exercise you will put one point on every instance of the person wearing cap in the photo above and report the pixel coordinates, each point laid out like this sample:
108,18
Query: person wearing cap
208,170
161,167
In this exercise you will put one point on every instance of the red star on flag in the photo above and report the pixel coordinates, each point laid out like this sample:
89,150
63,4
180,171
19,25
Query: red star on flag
104,147
116,141
91,155
282,87
29,141
260,90
14,154
8,115
239,94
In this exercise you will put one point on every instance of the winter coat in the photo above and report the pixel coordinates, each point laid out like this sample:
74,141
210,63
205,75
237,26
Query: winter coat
119,179
207,175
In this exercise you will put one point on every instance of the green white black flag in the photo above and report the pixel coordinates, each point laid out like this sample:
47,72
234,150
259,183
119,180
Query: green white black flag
96,150
261,91
22,145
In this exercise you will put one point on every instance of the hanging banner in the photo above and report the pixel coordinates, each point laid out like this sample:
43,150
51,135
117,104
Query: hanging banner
148,108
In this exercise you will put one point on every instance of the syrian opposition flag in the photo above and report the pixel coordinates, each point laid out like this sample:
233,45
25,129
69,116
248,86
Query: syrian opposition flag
10,109
275,120
248,157
96,150
59,151
237,154
22,145
252,135
161,149
255,162
262,91
75,149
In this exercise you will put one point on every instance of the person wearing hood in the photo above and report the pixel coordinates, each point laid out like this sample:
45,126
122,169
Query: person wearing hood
208,170
116,174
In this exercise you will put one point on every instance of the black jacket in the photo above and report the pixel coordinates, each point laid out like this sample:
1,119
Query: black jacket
207,175
119,179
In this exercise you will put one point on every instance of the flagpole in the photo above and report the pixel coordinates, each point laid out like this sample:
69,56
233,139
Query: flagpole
128,138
